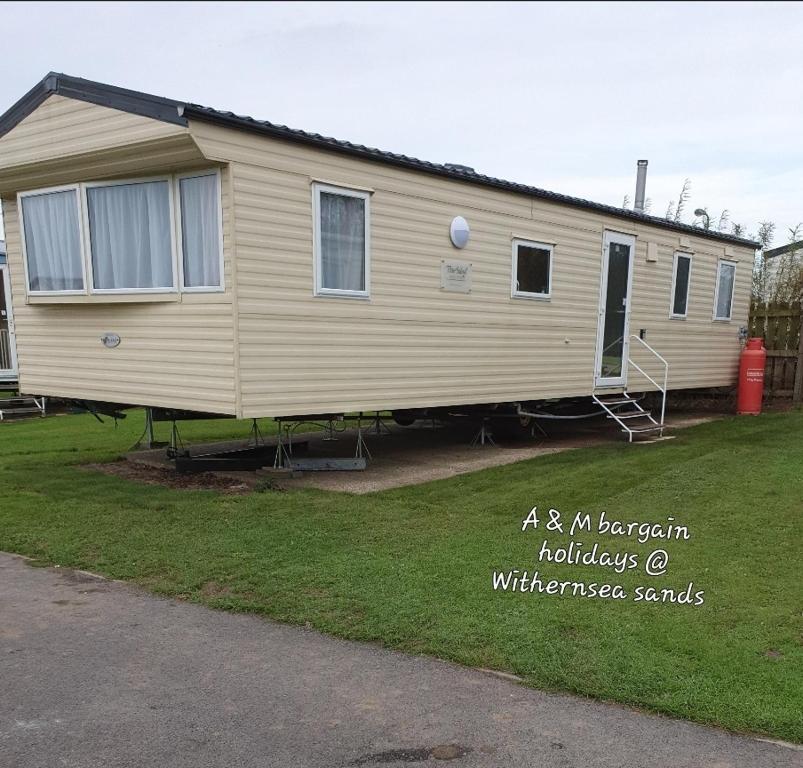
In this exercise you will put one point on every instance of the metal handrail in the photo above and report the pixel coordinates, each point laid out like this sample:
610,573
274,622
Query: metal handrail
647,376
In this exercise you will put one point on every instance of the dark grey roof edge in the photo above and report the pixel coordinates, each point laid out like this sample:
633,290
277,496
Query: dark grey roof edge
18,111
781,249
292,134
169,110
145,104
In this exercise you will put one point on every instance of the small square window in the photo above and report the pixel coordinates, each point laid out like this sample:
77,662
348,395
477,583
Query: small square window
532,270
131,235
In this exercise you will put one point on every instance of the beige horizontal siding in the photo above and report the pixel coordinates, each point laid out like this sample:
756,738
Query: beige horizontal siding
178,353
128,161
413,345
268,347
59,127
174,355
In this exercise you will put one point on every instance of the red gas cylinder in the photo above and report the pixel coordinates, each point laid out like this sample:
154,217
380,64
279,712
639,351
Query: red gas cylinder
751,377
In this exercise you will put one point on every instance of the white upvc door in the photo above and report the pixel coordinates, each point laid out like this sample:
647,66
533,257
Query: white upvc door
613,329
8,347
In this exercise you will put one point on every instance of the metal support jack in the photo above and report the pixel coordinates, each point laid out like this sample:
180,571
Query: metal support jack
330,431
176,443
255,438
362,449
484,436
380,425
149,437
284,450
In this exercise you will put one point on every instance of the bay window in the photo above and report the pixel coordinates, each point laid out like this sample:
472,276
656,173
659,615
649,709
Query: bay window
130,236
201,248
51,236
153,235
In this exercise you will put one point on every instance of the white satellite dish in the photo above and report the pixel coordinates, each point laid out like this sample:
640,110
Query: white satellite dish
459,232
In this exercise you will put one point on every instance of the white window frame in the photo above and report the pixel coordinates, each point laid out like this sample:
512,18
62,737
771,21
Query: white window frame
514,291
88,236
680,255
85,240
320,290
180,235
716,292
80,201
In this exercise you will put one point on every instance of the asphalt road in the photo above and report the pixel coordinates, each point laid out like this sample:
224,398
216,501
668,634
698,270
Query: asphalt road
97,673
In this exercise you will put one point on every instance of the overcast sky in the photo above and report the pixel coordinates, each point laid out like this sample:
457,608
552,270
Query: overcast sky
561,96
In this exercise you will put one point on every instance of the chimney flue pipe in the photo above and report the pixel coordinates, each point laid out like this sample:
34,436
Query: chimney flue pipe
641,185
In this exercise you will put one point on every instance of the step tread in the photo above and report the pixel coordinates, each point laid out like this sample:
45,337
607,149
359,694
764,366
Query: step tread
653,428
638,415
25,409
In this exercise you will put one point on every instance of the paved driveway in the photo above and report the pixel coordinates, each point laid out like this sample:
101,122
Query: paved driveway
96,673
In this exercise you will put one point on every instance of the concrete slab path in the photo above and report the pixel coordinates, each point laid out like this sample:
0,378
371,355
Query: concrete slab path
96,673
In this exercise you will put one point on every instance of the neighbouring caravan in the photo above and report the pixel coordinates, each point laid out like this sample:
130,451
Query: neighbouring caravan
8,354
171,255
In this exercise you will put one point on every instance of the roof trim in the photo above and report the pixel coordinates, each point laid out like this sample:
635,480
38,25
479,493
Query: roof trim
176,112
773,252
231,120
135,102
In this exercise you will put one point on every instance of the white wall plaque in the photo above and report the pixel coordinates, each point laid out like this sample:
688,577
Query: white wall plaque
110,340
456,276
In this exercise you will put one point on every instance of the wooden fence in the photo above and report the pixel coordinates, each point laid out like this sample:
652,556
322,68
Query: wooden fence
779,326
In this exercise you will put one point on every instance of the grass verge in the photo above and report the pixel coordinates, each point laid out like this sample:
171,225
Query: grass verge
412,568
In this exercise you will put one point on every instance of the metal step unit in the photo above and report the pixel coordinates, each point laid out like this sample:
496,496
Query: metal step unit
629,415
15,407
626,410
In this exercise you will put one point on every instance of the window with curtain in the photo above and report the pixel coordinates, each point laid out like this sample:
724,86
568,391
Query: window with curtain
532,267
130,236
680,281
341,239
200,231
726,276
51,228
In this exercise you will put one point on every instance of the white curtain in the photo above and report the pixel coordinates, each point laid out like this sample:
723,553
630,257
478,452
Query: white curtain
727,272
342,242
200,232
129,227
53,241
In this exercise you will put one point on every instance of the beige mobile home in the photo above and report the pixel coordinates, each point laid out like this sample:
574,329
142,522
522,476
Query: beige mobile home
171,255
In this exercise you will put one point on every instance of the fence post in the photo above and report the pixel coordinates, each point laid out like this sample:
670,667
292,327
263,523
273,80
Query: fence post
797,392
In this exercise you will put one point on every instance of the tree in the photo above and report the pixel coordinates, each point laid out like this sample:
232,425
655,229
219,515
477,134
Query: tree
674,212
786,282
764,236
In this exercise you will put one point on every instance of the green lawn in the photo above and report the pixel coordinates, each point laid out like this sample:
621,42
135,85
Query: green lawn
412,568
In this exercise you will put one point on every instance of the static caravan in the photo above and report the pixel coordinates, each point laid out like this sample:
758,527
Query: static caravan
171,255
